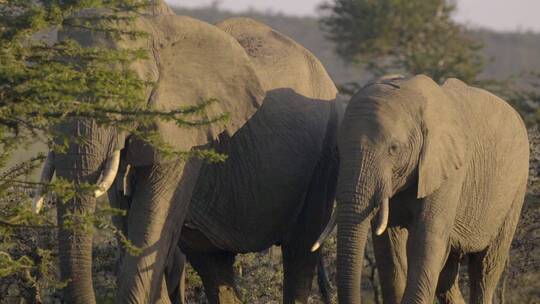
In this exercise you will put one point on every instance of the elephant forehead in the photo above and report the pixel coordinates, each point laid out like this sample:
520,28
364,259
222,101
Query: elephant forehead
378,119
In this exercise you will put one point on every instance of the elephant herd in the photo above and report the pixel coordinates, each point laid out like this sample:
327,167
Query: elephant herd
438,172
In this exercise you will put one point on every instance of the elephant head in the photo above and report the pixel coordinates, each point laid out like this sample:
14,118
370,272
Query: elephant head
395,134
189,62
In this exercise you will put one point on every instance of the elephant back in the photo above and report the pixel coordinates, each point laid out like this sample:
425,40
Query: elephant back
281,62
189,63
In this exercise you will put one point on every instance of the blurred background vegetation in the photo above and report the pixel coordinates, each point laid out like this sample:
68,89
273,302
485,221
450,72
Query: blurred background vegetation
356,41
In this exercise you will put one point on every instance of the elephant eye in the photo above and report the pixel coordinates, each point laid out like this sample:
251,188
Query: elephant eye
394,149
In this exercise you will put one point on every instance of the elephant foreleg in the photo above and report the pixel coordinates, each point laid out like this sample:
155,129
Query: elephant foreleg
299,269
391,255
448,287
299,263
175,273
324,282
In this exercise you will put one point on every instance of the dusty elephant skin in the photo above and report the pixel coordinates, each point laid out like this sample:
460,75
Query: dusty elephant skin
445,169
276,186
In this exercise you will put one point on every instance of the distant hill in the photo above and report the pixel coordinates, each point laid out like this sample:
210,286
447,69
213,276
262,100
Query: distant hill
509,53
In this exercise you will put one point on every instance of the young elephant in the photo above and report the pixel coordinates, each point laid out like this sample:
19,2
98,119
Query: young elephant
445,167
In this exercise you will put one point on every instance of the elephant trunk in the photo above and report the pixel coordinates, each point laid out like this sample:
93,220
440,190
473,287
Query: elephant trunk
75,241
82,163
351,242
358,197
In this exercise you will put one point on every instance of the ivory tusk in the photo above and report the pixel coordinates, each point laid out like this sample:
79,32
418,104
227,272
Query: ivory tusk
383,217
126,181
109,174
46,176
324,235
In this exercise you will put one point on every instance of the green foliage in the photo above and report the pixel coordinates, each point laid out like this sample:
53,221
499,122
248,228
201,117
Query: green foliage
403,36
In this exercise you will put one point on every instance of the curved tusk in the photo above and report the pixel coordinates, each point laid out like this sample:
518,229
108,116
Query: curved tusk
126,181
109,174
46,176
383,217
324,235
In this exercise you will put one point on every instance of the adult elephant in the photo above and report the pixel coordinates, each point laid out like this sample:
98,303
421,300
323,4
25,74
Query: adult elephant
278,183
189,61
445,167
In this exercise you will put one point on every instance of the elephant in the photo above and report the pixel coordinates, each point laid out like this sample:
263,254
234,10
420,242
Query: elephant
189,62
440,172
278,183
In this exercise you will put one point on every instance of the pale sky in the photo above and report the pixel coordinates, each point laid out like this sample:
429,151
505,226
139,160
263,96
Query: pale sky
506,15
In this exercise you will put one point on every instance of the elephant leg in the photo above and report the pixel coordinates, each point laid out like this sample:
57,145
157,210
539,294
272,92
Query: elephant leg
324,282
214,266
391,255
158,197
299,266
299,263
175,273
448,286
427,251
217,274
486,267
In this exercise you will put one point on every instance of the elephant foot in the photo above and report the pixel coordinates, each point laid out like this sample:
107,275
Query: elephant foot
228,295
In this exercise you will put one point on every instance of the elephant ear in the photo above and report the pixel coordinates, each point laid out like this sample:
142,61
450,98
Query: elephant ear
444,143
279,61
194,62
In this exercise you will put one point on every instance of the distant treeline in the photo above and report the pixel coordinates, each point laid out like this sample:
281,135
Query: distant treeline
509,53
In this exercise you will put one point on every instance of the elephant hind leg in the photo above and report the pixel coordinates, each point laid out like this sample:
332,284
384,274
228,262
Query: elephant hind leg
214,266
486,267
448,286
217,274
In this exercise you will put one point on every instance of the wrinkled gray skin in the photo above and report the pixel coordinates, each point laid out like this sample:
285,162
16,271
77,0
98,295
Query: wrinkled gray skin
453,160
190,61
278,183
276,186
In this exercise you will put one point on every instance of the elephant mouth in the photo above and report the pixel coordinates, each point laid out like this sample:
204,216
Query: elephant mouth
382,223
103,184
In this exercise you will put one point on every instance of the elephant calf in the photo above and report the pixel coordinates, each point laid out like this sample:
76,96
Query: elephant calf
445,168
